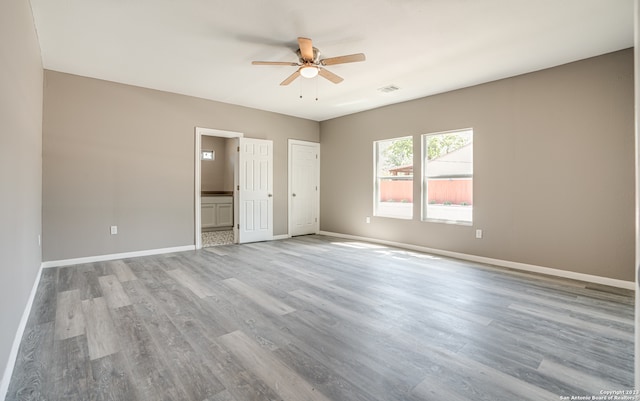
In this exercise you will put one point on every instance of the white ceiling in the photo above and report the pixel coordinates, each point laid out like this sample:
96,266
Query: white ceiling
204,48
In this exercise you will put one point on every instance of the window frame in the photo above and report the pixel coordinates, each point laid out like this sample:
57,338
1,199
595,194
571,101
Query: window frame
424,190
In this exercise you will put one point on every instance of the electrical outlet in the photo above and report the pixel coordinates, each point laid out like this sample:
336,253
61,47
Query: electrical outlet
478,233
114,230
368,220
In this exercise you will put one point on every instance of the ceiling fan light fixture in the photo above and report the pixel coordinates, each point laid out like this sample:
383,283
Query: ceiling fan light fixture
309,71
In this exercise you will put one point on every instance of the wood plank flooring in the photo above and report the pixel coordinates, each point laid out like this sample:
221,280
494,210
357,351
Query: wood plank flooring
319,318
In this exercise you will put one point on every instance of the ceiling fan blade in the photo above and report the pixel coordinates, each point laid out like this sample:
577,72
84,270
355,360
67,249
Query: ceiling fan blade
330,76
273,63
290,78
351,58
306,49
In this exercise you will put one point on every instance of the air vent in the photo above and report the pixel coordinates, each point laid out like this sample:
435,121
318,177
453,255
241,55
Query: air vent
389,88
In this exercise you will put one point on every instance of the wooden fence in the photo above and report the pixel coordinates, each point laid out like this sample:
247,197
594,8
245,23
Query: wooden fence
443,191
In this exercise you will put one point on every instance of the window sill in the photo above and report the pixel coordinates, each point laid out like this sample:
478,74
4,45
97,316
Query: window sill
456,222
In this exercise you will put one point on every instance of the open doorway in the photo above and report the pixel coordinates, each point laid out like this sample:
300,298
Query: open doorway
216,206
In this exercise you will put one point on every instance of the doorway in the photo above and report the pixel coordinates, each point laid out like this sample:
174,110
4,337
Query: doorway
251,162
304,187
216,206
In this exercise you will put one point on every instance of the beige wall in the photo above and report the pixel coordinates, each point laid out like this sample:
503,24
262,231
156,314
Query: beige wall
20,165
566,131
214,172
120,155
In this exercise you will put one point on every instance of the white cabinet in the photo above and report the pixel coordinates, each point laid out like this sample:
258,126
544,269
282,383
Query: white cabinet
208,215
224,214
217,211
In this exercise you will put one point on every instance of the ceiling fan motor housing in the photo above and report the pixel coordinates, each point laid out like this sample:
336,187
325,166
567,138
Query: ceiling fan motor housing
316,56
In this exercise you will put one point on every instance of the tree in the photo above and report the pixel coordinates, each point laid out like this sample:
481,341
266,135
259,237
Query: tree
440,145
399,153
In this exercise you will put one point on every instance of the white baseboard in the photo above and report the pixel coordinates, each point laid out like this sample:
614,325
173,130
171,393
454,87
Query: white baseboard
629,285
279,237
13,354
114,256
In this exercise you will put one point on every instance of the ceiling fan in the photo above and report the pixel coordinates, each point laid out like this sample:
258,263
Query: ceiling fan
310,64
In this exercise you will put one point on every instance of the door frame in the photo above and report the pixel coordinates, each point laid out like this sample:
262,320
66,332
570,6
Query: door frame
290,144
199,132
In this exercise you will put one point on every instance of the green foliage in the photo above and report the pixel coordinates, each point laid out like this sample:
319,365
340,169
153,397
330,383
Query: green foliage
399,153
440,145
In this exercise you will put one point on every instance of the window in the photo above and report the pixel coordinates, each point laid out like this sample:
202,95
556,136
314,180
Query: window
208,155
393,172
447,192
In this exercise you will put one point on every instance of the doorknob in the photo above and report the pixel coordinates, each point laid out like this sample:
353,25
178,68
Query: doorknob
293,194
270,195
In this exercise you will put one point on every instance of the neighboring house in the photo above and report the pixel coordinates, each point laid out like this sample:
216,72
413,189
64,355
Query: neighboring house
402,170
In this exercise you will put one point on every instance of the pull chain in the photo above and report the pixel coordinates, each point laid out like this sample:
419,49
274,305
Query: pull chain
300,86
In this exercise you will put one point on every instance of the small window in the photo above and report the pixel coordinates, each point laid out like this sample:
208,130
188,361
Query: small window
447,192
208,155
393,172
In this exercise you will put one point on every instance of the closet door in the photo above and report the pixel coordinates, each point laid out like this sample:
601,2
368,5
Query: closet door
304,183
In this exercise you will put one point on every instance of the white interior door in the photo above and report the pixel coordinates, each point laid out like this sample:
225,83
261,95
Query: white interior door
256,190
304,182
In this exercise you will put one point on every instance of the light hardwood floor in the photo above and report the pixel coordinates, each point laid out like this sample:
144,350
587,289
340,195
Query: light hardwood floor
319,318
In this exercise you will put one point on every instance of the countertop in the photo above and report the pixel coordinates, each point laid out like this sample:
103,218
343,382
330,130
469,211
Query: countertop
216,193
